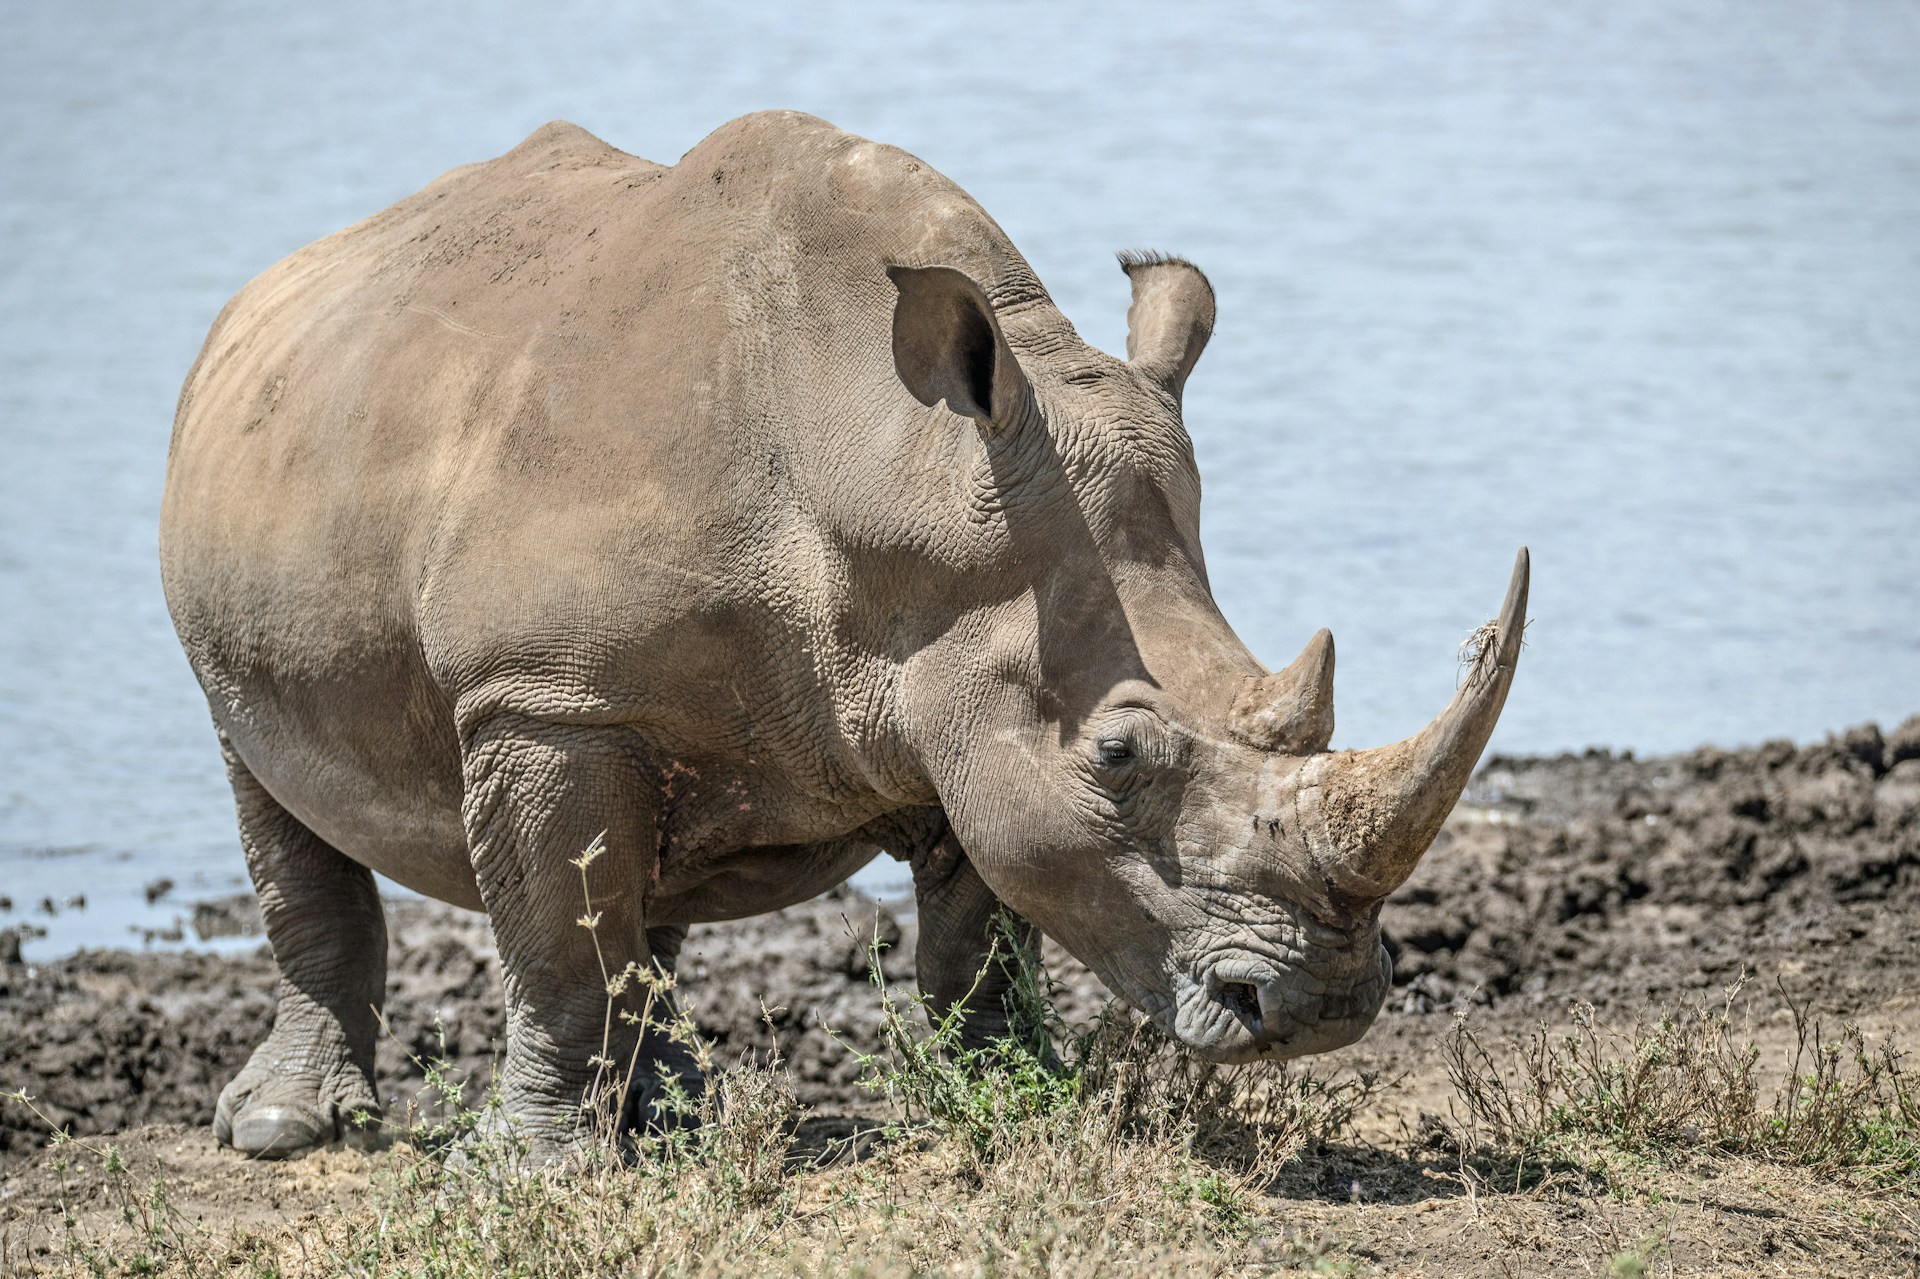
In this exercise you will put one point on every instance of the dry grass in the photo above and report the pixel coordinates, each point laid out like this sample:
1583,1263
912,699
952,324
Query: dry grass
1091,1150
1683,1085
1097,1150
1597,1151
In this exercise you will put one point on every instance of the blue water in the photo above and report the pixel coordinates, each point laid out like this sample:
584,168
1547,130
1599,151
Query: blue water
1634,283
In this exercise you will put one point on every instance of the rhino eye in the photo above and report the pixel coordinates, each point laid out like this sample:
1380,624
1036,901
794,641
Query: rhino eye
1114,750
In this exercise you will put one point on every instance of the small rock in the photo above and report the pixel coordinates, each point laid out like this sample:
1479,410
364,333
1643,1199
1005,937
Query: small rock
173,934
1903,743
157,889
1865,744
881,932
10,947
236,916
1436,1133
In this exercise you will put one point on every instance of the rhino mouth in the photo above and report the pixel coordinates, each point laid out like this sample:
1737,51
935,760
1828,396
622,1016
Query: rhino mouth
1242,998
1243,1007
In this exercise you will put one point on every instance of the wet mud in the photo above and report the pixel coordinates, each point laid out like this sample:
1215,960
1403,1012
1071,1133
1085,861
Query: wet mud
1583,877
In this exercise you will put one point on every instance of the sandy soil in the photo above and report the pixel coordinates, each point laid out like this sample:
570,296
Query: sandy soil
1600,878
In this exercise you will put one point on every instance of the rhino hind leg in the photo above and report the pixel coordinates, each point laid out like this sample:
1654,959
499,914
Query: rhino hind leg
314,1072
667,1078
971,949
537,795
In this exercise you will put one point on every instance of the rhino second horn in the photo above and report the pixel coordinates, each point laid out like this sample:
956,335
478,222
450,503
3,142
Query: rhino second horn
1290,710
1374,812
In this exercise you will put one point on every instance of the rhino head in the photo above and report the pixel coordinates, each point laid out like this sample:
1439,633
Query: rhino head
1119,768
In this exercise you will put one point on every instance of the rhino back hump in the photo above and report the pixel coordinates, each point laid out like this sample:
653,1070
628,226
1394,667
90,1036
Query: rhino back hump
578,432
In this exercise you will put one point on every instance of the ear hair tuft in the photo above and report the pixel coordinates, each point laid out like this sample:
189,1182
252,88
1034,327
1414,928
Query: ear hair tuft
1170,318
1133,259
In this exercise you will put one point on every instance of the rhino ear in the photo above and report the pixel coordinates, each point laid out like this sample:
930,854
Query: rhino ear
1171,317
947,345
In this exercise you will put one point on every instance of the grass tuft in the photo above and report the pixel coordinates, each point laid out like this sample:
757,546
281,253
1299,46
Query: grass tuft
1684,1084
1092,1150
1116,1080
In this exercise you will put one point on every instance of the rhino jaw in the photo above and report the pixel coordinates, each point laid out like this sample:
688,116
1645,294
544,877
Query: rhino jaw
1246,1007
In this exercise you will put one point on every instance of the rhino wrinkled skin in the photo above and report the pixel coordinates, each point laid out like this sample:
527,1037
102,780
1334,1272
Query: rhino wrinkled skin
763,513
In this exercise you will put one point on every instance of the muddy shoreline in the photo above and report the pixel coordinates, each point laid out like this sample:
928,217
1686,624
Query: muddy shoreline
1591,877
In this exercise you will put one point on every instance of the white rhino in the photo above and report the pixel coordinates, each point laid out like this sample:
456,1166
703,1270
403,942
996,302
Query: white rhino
762,512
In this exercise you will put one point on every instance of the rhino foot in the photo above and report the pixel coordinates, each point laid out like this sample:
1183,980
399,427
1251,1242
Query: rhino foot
529,1130
667,1093
270,1113
273,1132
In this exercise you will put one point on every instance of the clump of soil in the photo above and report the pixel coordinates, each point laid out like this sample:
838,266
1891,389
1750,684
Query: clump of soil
109,1040
1595,876
1604,878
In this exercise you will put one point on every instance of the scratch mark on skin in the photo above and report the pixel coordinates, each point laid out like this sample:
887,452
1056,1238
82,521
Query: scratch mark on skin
450,322
672,774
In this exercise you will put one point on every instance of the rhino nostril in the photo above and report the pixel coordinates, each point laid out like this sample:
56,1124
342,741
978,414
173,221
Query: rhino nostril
1242,999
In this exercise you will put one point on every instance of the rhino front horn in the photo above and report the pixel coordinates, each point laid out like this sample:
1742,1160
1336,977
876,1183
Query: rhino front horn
1371,814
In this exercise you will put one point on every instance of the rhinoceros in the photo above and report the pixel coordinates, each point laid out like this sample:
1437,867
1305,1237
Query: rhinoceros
754,515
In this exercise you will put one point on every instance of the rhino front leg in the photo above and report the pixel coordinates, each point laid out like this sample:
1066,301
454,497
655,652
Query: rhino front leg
969,953
537,795
329,938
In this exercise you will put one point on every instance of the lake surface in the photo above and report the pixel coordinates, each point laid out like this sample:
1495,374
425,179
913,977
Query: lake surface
1635,284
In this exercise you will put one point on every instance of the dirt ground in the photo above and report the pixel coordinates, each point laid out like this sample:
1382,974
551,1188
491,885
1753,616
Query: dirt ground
1628,884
